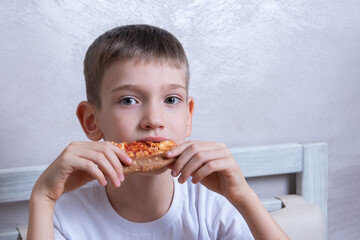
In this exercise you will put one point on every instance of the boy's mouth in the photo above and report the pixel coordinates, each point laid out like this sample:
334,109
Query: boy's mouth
153,139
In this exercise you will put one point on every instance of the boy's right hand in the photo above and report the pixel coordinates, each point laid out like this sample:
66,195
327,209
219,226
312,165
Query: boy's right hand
79,163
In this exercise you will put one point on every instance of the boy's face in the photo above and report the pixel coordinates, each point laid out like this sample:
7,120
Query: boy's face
144,102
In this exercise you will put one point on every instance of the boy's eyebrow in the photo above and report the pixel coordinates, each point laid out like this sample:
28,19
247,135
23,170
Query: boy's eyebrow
126,87
175,86
132,87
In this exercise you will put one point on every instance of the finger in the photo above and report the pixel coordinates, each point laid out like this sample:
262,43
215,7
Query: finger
189,149
100,146
123,157
108,150
116,157
102,162
199,159
195,146
209,168
90,167
112,153
170,166
176,151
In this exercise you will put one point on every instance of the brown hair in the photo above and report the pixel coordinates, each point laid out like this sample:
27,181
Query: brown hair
142,42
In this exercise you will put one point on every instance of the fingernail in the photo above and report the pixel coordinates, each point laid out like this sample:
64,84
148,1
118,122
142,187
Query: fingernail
129,160
181,179
122,177
174,173
118,183
169,153
104,182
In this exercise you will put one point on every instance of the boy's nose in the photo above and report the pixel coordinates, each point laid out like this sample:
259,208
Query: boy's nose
152,118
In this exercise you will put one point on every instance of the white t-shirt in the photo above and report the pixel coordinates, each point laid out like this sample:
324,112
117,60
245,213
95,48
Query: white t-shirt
195,213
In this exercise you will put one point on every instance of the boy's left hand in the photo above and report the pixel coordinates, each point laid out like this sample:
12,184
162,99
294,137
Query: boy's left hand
211,164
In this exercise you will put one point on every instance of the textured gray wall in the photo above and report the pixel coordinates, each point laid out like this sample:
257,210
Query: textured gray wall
261,73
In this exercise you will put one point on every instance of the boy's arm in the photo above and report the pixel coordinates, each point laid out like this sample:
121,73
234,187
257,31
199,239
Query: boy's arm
260,222
41,211
78,164
212,165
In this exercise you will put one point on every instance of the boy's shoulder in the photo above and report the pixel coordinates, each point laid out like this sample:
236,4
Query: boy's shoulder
79,209
219,216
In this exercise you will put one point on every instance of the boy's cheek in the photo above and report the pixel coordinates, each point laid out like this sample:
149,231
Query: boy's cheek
118,131
179,130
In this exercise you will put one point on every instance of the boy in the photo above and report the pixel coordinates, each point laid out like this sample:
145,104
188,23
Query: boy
137,81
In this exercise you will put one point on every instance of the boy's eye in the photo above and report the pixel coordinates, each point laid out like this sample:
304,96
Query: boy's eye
128,101
172,100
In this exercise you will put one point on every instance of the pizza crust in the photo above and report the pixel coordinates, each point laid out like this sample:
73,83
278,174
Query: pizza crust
147,163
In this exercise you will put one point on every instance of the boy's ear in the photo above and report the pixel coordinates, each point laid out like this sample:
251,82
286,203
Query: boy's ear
191,105
87,118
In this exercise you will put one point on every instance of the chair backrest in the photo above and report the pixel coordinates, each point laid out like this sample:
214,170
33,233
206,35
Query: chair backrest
307,161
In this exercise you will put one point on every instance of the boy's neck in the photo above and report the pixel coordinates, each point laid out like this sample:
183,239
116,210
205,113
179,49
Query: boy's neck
142,198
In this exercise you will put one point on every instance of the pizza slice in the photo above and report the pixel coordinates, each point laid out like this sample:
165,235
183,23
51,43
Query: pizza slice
146,156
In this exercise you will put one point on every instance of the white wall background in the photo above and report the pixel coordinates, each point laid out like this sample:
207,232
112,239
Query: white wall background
262,72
